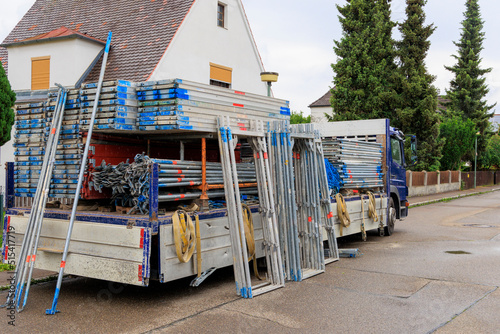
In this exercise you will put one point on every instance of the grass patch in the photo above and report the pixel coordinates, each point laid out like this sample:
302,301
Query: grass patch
6,267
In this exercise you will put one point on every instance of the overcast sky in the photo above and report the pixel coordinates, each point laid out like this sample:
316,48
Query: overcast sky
295,38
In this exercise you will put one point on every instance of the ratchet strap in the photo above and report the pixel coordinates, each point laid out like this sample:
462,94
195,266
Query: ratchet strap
250,237
372,211
184,235
342,213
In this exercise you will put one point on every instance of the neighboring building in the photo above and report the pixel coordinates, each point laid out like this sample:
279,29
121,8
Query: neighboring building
495,120
320,107
61,41
442,102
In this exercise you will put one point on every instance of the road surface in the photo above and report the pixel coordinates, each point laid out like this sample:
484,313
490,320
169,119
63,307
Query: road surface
439,272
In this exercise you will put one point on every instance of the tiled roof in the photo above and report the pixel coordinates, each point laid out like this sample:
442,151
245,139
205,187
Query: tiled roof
442,102
61,32
142,30
323,101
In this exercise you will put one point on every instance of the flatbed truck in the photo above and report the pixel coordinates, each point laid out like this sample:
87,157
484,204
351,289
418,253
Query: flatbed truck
134,249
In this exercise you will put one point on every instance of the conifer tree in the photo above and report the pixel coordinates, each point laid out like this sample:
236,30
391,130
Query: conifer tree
467,88
365,67
418,97
7,100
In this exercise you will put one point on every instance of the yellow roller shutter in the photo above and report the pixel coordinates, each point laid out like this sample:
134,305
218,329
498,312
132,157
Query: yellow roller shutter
220,73
40,73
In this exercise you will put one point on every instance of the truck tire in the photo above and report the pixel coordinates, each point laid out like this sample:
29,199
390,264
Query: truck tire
391,218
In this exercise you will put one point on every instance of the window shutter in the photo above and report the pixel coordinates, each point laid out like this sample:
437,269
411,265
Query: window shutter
221,73
40,73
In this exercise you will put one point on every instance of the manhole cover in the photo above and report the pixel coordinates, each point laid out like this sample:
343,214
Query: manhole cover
457,252
479,225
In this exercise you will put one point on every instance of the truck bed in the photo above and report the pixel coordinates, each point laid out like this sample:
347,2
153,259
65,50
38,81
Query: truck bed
123,248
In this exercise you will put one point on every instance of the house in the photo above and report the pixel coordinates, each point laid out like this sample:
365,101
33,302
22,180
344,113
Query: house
495,120
320,107
61,41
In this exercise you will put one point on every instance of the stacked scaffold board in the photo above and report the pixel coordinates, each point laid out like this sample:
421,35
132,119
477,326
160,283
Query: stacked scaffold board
69,148
183,105
117,108
29,144
359,163
117,111
127,106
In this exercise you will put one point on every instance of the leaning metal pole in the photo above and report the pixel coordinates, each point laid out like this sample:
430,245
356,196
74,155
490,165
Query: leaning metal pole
53,310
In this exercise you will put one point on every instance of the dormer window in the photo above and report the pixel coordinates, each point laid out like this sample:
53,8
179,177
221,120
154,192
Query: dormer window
221,15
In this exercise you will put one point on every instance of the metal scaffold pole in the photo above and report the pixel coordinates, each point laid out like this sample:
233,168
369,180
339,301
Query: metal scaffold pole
83,165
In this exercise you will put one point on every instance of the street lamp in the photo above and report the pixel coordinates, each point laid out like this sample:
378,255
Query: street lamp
269,77
475,159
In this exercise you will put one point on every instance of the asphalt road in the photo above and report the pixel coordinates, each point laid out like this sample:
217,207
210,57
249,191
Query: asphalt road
439,272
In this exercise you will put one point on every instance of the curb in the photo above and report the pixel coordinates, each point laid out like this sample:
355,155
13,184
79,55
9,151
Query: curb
443,199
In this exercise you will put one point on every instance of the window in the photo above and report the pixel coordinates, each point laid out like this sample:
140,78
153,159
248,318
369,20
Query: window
40,73
396,151
220,75
221,15
220,84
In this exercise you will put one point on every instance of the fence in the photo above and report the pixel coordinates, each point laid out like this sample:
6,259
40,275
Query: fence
426,183
483,178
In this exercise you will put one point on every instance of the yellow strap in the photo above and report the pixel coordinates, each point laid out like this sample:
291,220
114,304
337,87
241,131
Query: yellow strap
372,211
342,213
185,242
184,235
363,230
198,245
250,236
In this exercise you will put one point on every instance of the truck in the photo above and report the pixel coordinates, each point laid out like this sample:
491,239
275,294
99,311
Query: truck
392,197
134,249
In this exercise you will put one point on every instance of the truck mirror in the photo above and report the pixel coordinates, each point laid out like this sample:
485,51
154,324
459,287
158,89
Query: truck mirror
413,147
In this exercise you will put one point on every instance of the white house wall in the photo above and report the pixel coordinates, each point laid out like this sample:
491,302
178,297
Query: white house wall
318,114
200,42
69,58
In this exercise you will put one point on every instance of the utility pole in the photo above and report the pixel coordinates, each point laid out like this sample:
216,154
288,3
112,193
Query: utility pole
475,159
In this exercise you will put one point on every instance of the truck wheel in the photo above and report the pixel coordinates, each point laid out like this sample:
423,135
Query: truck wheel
391,219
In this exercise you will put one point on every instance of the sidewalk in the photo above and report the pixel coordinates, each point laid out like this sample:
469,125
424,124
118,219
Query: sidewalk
422,200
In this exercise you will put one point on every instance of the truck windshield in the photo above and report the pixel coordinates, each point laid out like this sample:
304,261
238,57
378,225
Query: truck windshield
396,151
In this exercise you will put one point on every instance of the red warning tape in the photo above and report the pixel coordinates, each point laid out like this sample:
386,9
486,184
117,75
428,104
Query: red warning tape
141,243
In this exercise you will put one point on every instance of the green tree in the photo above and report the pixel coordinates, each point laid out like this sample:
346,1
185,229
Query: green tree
491,156
467,88
7,100
365,68
460,136
298,118
418,97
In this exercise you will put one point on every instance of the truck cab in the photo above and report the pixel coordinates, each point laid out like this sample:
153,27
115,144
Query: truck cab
397,173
